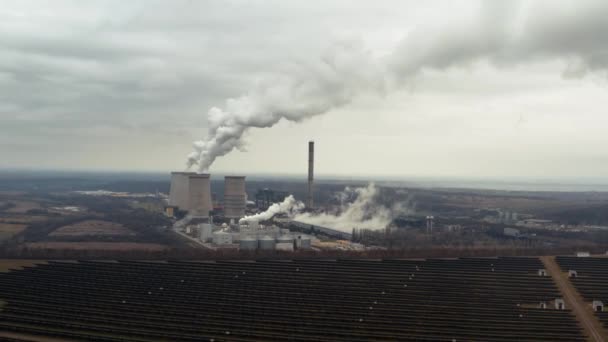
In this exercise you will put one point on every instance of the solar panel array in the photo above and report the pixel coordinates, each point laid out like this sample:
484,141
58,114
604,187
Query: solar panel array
473,299
591,279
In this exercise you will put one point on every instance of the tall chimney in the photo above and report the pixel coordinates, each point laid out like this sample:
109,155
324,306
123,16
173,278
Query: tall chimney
311,164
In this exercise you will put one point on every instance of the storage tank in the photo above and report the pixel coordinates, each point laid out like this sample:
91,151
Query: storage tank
235,197
205,232
267,243
248,243
284,246
285,239
200,203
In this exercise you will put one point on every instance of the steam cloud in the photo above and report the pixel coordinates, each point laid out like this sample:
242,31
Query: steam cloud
289,206
364,212
505,33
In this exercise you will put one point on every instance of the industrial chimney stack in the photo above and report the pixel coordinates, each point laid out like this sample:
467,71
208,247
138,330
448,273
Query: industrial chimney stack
311,164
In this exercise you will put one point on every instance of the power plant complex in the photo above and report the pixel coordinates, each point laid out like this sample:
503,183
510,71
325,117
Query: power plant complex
191,202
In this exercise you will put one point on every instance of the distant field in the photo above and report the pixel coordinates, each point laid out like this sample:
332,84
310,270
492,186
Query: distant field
98,246
6,264
22,219
93,227
7,230
23,206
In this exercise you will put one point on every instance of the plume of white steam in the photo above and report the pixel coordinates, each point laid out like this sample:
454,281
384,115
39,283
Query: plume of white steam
289,206
504,33
300,92
364,212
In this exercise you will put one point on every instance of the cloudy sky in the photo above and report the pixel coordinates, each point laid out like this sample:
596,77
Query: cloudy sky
394,88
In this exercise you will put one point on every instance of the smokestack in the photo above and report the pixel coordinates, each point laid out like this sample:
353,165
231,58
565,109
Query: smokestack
311,164
235,197
178,194
199,195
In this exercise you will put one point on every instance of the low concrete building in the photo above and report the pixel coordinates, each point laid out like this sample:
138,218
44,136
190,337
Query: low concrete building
511,232
598,306
284,246
222,238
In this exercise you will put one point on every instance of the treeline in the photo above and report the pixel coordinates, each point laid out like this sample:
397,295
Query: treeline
204,254
471,238
593,215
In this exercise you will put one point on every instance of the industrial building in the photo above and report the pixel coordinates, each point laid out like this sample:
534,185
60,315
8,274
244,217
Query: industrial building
191,193
266,197
178,194
199,195
235,197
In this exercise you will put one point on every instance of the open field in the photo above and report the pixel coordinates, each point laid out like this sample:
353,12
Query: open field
98,246
93,228
23,206
6,264
22,219
7,230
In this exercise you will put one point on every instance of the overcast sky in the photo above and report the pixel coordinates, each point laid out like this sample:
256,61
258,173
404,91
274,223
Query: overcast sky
472,89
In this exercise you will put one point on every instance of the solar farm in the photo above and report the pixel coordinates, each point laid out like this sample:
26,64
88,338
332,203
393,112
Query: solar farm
467,299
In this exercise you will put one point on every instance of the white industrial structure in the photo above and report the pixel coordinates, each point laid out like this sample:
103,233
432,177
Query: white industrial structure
267,243
191,192
248,243
430,220
598,305
205,232
235,197
199,195
222,238
178,194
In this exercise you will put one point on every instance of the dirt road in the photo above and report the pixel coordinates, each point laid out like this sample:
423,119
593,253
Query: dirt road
574,301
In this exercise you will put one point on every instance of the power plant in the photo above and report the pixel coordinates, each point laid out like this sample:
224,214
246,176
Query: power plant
191,201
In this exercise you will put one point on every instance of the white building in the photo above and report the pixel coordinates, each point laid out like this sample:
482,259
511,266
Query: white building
222,238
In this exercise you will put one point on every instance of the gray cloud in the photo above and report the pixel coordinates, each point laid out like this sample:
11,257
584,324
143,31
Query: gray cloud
116,70
507,32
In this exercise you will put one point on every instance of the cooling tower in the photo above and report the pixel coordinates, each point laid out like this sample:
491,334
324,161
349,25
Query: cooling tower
235,197
199,195
311,164
178,194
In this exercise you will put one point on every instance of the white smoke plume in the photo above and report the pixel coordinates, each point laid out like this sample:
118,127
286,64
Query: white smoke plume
300,92
289,206
504,33
364,212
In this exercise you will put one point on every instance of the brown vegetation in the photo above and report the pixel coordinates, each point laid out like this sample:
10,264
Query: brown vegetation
23,206
93,227
8,230
8,264
97,246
